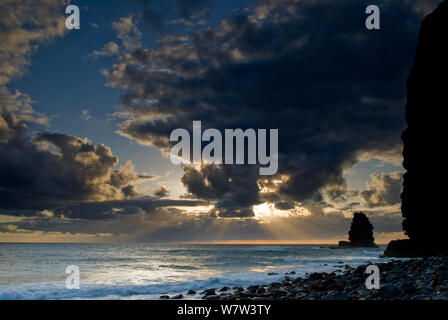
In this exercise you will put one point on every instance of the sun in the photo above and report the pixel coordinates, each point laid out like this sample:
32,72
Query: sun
268,211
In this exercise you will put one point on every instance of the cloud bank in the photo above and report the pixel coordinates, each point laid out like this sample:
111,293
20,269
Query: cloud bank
333,89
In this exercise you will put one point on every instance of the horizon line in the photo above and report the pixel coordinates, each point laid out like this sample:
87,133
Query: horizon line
217,242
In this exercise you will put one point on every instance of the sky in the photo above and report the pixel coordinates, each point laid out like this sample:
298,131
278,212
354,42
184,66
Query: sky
86,115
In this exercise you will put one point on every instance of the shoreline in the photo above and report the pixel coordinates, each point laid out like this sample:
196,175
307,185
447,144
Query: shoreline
414,279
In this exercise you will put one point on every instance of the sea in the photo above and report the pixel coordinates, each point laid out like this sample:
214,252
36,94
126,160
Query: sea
147,271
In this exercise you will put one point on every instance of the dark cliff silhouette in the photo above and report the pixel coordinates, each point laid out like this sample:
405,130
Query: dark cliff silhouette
360,233
425,218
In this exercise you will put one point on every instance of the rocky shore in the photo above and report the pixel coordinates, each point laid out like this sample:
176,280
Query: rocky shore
416,279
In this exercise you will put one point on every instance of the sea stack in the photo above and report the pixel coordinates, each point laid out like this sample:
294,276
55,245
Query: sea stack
425,219
360,233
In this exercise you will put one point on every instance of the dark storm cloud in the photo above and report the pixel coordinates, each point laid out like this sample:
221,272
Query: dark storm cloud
129,218
384,190
115,208
52,169
102,210
233,187
334,89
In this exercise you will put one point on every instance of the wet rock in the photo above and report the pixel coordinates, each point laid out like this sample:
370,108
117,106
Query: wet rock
208,292
389,291
253,288
260,291
191,292
411,279
178,296
408,288
315,276
275,284
440,275
164,297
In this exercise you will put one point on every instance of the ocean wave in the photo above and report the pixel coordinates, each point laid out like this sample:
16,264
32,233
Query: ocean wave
269,248
175,266
118,274
57,290
333,260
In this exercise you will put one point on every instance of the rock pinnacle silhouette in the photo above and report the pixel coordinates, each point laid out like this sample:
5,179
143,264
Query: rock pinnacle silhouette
360,233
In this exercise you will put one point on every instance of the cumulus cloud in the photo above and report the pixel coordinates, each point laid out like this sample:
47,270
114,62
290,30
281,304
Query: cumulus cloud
109,49
127,32
50,169
25,25
162,192
191,12
384,189
85,115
